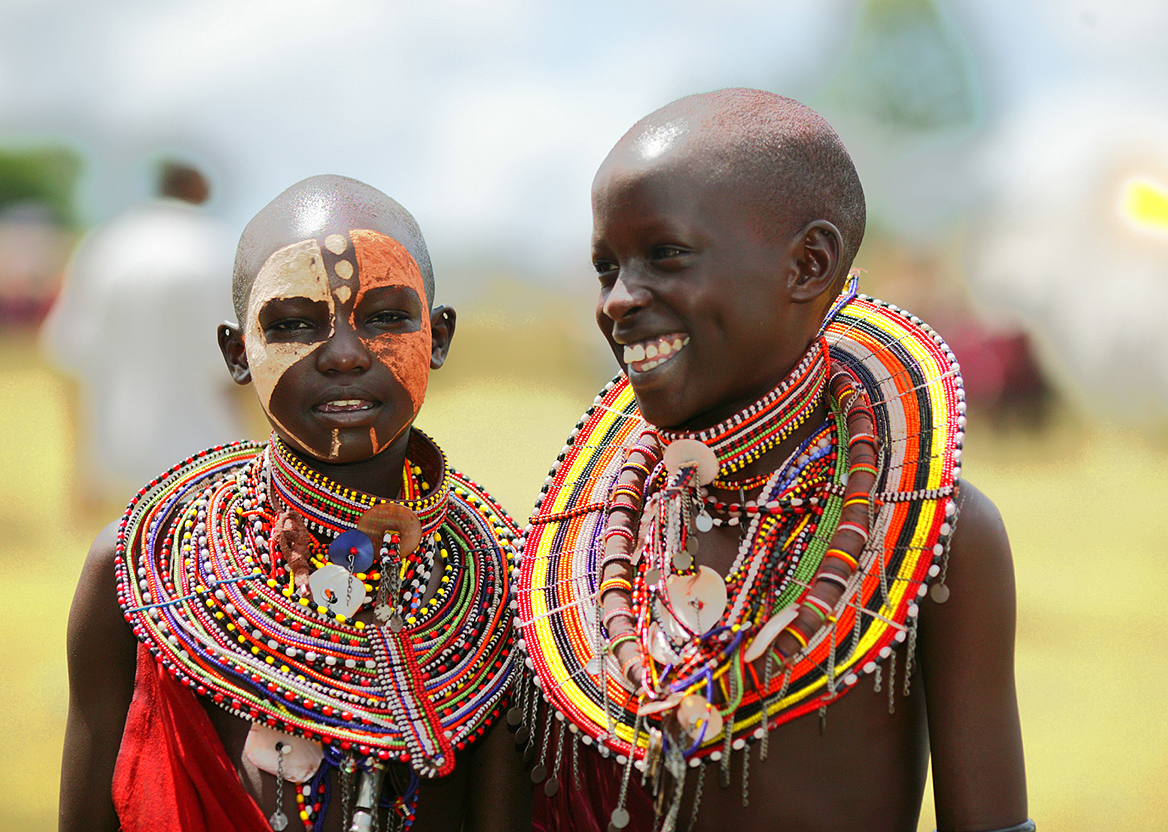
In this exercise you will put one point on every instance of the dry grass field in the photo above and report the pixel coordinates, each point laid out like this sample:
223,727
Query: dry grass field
1080,502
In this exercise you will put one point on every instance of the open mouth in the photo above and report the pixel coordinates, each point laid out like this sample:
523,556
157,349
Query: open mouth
346,406
651,353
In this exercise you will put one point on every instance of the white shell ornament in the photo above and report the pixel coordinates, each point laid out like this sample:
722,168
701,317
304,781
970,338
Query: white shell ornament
659,705
682,452
699,599
336,588
301,757
699,718
659,647
769,631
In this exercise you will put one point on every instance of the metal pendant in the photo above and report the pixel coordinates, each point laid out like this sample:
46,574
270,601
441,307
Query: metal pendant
352,549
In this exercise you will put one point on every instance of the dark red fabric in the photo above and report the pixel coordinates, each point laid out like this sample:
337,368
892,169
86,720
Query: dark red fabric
588,808
172,772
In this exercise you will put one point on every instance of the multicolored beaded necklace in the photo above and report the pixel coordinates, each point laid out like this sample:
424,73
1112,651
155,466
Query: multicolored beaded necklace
837,548
204,585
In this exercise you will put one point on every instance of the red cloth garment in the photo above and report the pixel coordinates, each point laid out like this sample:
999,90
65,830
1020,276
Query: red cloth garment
588,808
172,772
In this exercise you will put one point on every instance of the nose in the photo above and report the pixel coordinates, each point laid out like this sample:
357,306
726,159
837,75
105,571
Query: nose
344,352
627,294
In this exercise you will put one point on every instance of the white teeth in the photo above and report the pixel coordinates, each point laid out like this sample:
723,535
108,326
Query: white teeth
346,403
646,355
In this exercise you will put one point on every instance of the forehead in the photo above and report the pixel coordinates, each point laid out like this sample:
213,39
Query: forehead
357,254
633,195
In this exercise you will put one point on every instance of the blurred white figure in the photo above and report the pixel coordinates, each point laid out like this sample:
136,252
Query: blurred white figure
135,323
1076,241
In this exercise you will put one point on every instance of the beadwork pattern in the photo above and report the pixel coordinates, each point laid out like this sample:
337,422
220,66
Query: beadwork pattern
913,384
200,588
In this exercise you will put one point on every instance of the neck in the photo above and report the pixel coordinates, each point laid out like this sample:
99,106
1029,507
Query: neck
755,435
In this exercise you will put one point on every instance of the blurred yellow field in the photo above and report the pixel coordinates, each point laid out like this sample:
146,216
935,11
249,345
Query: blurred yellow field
1081,504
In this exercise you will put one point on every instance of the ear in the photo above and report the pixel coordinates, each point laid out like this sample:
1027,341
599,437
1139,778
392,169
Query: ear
231,345
816,255
442,320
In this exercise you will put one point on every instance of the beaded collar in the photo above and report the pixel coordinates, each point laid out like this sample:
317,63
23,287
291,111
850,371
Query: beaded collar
204,589
909,382
761,426
329,508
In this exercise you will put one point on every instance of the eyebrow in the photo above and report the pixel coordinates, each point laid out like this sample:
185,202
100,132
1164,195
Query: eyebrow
297,300
377,292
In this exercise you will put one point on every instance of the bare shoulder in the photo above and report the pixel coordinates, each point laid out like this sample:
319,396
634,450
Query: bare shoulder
102,657
97,628
967,661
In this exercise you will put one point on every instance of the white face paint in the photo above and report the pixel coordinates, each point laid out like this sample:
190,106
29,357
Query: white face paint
295,271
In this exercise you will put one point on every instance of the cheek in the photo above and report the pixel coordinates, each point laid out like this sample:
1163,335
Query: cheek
270,362
408,358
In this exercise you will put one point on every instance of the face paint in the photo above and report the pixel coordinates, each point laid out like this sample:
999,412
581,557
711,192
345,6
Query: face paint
295,271
383,261
338,340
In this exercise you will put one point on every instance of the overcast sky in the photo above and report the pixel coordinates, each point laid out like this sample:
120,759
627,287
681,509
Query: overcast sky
486,119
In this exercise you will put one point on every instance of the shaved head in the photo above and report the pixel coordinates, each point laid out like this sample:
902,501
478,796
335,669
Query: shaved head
311,210
779,155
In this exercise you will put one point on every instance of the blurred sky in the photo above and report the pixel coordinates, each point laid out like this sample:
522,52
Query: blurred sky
488,119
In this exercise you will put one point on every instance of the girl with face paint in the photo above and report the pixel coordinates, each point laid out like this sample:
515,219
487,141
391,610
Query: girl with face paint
351,649
338,342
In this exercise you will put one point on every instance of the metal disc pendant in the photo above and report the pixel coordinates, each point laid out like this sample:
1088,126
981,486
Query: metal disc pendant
682,560
620,818
704,522
940,593
521,735
514,716
691,545
352,547
278,820
538,773
551,787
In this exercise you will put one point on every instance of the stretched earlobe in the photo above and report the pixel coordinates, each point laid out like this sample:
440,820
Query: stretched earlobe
442,320
231,345
816,253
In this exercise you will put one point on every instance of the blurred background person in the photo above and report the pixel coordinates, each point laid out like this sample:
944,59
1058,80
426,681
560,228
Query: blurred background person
135,325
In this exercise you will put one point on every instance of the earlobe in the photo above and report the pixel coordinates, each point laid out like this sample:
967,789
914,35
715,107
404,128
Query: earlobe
234,354
442,320
816,255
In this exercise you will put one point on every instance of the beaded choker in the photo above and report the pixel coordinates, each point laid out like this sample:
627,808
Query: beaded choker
205,585
329,509
750,433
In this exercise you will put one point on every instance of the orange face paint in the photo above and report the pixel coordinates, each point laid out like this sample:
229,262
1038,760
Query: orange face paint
383,261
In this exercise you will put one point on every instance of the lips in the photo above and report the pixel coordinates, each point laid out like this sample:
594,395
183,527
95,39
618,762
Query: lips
346,406
651,353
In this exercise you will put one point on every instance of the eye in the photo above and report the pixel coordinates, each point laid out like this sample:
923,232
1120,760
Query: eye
388,317
605,270
666,252
288,326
